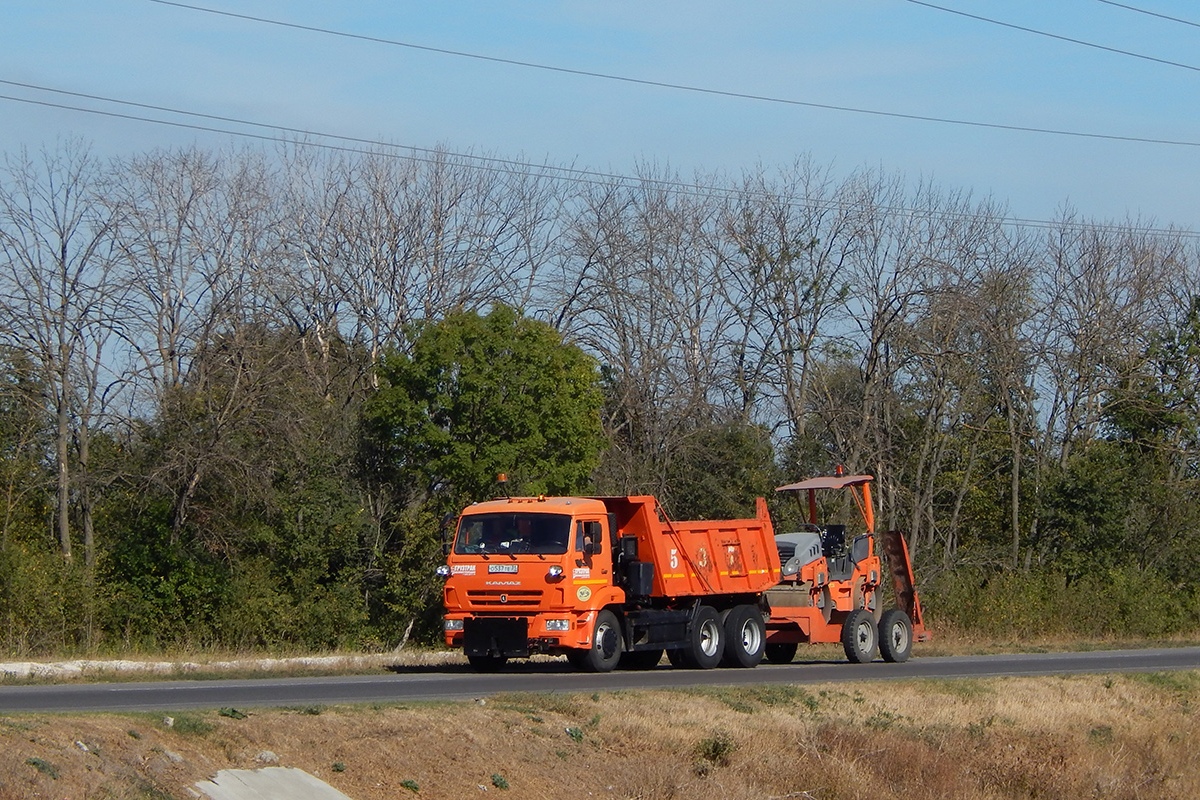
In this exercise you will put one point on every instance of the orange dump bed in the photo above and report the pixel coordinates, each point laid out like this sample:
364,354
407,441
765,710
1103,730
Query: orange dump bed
700,558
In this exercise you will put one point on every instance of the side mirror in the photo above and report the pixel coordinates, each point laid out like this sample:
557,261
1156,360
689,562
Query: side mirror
589,549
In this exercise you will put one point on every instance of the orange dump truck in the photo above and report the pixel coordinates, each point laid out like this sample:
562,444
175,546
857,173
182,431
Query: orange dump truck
611,581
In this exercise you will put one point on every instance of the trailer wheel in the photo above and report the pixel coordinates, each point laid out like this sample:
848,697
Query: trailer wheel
745,635
487,663
860,637
677,658
605,651
868,599
781,652
640,659
707,640
895,636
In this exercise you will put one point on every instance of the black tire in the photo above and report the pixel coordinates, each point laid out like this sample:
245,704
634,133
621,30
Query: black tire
640,659
781,652
677,658
707,640
745,637
605,651
576,658
895,636
860,637
487,663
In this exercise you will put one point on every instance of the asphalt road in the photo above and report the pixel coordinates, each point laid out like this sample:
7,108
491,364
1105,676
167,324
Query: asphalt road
458,683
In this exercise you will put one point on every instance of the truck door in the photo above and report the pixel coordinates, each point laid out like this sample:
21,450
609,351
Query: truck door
593,558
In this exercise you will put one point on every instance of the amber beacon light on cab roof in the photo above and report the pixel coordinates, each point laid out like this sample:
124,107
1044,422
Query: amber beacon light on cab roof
613,582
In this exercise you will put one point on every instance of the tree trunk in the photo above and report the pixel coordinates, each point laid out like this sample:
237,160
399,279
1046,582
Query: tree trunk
61,454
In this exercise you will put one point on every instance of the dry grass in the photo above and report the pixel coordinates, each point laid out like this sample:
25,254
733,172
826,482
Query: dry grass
949,641
1087,736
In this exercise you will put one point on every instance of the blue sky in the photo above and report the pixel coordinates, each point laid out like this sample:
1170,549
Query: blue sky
883,55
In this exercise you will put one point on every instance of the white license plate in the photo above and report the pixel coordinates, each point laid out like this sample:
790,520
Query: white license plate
506,568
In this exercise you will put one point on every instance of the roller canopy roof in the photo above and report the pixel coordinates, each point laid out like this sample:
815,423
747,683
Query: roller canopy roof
828,482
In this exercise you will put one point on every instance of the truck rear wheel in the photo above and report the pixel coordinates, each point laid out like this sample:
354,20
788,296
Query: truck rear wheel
707,640
860,637
640,659
605,651
745,636
895,636
781,652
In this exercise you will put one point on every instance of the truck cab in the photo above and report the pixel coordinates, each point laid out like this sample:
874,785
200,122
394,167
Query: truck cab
529,575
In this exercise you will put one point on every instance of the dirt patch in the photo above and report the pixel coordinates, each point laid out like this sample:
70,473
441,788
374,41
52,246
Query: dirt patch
1049,737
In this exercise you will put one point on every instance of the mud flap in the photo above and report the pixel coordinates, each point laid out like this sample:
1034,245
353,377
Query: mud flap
496,636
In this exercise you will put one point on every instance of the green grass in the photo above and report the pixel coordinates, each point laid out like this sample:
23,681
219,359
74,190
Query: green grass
751,699
189,724
1182,683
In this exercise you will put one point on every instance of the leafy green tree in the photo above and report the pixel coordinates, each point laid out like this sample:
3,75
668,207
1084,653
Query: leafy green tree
1132,499
24,439
482,395
239,520
724,467
476,396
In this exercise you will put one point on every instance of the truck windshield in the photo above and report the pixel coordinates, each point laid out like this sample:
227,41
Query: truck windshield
545,534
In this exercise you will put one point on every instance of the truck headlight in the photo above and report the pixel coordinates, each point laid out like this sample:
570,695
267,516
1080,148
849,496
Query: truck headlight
558,624
443,571
556,571
453,624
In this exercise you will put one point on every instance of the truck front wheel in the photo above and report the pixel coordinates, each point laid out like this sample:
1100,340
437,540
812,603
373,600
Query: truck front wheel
487,663
606,645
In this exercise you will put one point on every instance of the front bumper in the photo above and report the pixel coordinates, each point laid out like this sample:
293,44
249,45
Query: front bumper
518,636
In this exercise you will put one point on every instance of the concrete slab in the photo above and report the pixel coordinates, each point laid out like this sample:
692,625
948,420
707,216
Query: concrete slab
269,783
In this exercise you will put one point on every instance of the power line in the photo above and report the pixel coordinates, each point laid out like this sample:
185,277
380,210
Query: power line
685,87
523,165
505,166
1150,13
1042,33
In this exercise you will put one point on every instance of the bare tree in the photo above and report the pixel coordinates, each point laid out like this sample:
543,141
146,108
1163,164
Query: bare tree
198,236
942,373
56,295
1104,291
638,291
786,281
897,243
398,239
